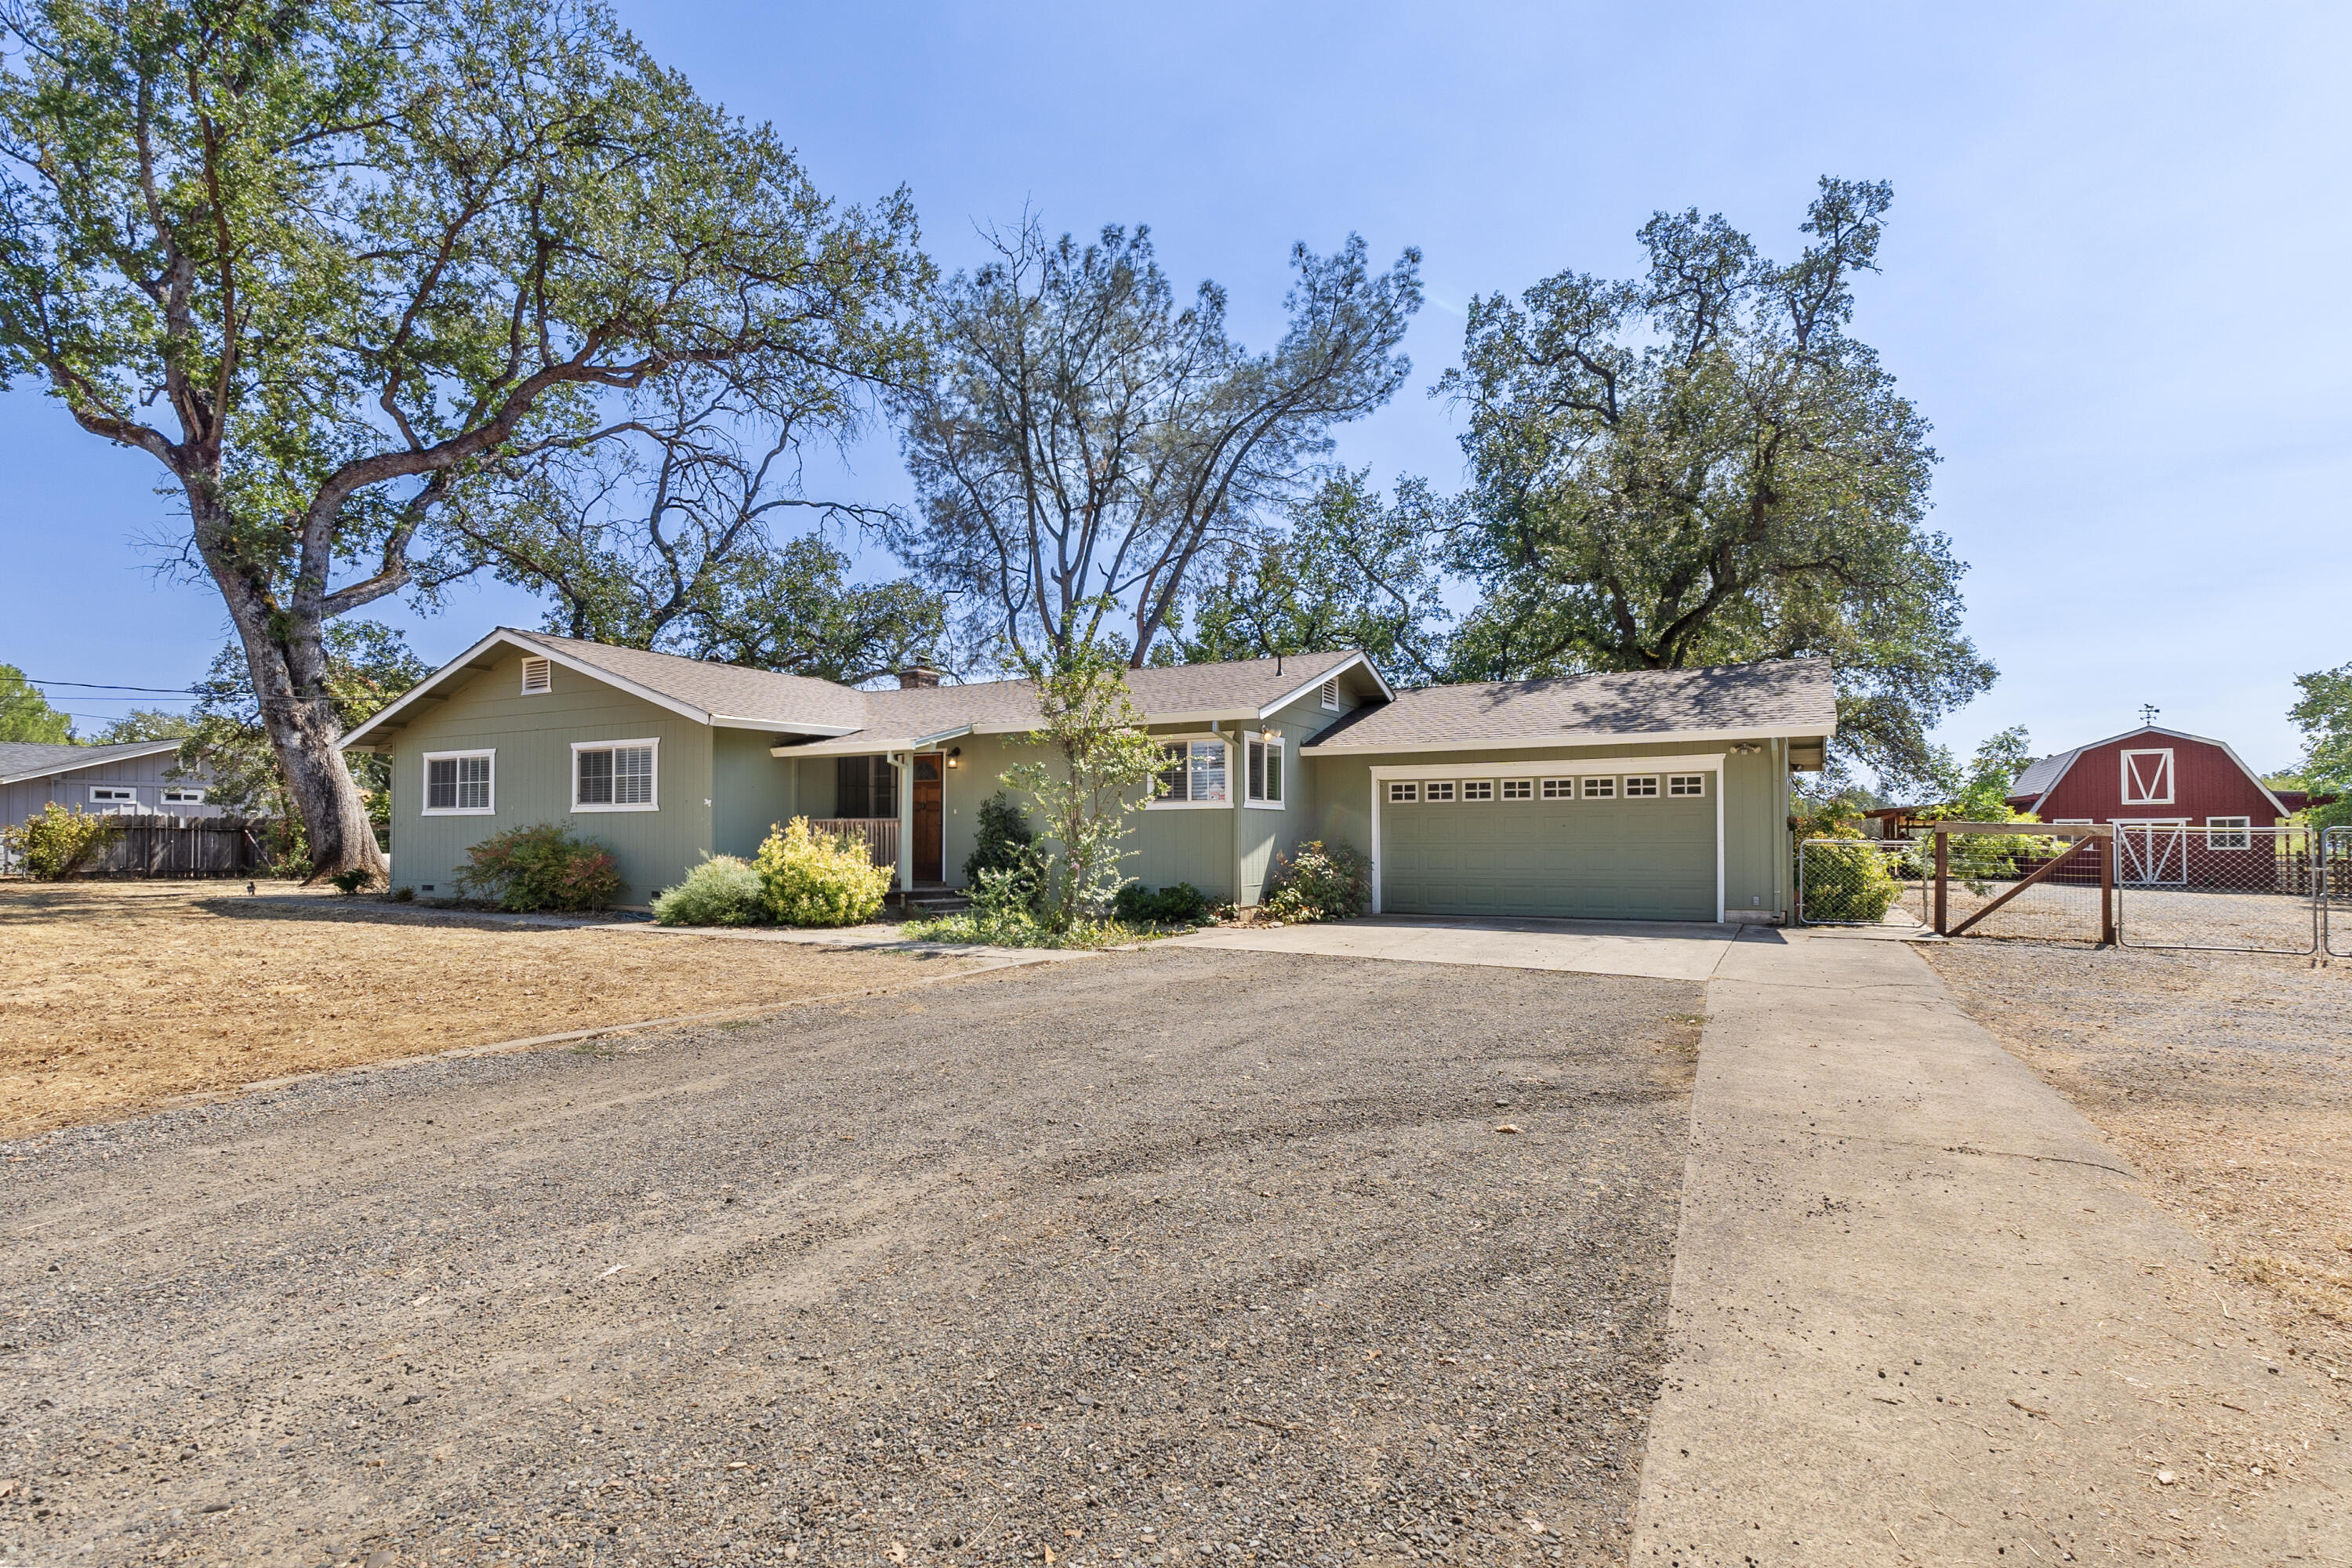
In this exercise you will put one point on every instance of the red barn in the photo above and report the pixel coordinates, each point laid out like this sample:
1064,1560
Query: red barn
2156,779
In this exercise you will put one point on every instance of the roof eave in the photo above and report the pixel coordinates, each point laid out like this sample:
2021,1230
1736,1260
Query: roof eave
150,750
1355,658
1584,739
855,746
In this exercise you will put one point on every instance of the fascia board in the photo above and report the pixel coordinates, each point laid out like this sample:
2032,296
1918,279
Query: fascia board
779,726
1620,738
1695,762
874,746
516,640
1340,669
351,740
149,750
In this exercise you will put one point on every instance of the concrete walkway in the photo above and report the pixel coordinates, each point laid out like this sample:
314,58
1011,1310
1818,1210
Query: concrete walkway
1921,1313
1656,950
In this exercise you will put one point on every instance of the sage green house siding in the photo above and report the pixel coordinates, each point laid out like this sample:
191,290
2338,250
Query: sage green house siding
752,791
531,738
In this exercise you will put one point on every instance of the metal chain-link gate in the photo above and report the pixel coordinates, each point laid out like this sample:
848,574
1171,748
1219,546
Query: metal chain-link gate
2335,896
2233,889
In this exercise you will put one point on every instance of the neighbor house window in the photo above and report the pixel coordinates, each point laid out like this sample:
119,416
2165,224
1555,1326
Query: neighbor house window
1685,783
1402,794
2228,833
865,786
114,794
1438,790
1600,789
613,775
460,783
1642,785
181,795
537,676
1560,789
2147,778
1265,769
1331,694
1192,773
1518,789
1477,789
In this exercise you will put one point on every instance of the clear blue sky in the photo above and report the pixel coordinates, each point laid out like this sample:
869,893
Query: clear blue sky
2115,279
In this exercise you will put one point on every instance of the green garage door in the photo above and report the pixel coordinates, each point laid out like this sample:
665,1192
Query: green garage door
1639,859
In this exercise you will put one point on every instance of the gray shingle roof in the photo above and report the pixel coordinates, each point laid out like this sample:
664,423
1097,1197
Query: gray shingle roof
2041,775
33,759
723,690
1794,697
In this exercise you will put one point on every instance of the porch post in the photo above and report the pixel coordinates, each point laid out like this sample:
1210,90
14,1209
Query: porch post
906,820
1376,841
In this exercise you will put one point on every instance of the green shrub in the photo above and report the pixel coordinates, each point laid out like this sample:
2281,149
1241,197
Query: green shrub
542,867
1319,883
1182,904
721,891
60,841
1003,840
816,879
1847,879
357,880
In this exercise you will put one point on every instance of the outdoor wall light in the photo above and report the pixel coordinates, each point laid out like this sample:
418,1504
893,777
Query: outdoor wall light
954,752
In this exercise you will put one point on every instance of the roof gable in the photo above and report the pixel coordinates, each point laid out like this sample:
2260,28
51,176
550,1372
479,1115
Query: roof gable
2038,781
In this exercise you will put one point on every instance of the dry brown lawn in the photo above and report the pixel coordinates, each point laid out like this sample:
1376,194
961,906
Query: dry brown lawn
2225,1078
117,996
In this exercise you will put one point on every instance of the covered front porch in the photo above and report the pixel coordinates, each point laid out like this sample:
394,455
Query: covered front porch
891,801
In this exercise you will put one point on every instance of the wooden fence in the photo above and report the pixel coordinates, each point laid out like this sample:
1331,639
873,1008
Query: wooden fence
878,834
177,846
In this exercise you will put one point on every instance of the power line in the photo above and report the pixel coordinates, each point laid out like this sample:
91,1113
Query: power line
101,686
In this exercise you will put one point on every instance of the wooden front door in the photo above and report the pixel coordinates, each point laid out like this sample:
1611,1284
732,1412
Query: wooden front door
929,820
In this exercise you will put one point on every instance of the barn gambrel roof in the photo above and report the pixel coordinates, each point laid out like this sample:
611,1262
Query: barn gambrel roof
2040,779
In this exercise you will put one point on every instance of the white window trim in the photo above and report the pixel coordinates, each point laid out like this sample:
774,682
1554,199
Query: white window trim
1568,786
1396,799
1156,803
1272,741
183,794
424,778
1466,786
114,794
1453,795
2171,781
1672,779
2239,829
1503,790
548,665
1657,790
580,746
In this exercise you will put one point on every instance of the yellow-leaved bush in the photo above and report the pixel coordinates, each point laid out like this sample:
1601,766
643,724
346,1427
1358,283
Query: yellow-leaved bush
810,878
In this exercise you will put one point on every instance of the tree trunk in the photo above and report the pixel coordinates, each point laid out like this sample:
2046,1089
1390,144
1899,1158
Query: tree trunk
285,654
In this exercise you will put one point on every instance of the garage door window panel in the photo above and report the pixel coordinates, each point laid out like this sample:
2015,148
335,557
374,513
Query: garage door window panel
1685,786
1404,792
1600,789
1641,786
1438,791
1477,789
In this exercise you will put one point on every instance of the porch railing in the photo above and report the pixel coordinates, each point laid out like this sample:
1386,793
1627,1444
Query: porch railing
878,834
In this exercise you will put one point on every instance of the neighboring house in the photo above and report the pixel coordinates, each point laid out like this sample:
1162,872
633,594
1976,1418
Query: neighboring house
2186,798
1659,795
128,779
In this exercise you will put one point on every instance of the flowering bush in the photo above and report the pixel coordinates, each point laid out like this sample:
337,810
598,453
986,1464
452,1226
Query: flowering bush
542,867
808,879
1319,884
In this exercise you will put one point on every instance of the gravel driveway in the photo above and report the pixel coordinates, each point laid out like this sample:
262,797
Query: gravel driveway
1155,1257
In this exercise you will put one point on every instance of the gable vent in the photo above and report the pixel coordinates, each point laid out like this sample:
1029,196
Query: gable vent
1331,694
537,676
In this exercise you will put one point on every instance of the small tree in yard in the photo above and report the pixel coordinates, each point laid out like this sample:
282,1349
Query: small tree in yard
1092,726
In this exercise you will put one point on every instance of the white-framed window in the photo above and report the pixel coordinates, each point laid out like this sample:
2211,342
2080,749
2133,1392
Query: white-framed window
1685,783
1518,789
1331,694
116,794
2228,833
537,676
2147,777
460,783
1600,789
1560,789
183,794
1642,785
1438,791
1263,770
1192,773
1477,789
615,775
1404,792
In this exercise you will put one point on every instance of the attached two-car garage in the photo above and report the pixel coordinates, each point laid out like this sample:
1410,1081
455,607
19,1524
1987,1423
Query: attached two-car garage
1590,845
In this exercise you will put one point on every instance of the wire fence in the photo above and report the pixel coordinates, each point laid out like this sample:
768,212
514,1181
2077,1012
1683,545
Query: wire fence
1860,882
2238,889
2035,887
2336,892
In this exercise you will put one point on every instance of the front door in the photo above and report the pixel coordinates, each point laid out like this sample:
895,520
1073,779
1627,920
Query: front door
929,821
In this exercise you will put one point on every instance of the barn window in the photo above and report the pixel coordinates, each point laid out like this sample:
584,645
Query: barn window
615,775
460,783
2228,833
2147,777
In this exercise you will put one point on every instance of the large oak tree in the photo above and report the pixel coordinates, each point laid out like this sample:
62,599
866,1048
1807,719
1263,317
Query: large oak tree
1704,465
329,263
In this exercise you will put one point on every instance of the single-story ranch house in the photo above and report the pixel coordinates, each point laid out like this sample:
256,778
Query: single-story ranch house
131,778
1646,795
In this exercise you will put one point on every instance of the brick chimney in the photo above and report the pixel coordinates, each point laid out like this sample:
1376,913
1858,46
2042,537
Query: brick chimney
916,675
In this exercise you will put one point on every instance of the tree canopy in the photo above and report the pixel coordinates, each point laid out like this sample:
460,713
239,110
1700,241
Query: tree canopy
339,267
1702,465
2323,714
25,713
1085,440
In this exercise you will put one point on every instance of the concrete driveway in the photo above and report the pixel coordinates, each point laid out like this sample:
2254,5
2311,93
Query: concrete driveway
1656,950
